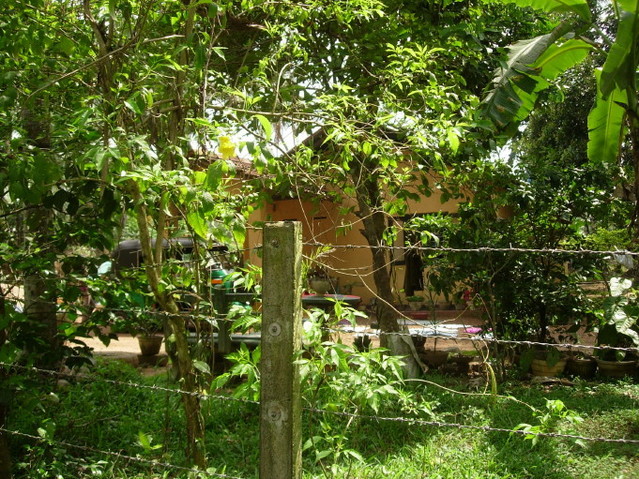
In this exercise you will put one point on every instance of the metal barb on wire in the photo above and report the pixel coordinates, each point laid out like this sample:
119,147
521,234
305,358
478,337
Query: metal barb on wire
130,384
422,422
119,455
481,249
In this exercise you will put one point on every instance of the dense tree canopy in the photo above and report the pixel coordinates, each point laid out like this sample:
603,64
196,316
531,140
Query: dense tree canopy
114,107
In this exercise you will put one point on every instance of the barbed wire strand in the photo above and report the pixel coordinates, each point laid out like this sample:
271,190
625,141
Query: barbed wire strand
119,455
81,310
481,249
414,421
423,422
211,318
115,382
377,332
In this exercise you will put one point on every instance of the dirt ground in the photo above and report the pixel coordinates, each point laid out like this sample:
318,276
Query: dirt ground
450,323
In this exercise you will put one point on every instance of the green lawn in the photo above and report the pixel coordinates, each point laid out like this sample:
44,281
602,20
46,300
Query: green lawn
148,424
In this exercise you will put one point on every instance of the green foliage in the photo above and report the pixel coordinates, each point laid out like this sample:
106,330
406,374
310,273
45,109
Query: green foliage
555,412
613,116
114,418
618,319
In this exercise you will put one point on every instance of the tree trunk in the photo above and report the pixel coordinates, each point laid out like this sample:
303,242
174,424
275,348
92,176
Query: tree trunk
374,220
634,142
186,372
39,293
5,401
39,306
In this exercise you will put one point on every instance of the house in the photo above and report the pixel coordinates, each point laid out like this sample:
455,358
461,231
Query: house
323,223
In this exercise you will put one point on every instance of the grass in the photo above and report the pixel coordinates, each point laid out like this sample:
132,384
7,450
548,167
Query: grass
149,424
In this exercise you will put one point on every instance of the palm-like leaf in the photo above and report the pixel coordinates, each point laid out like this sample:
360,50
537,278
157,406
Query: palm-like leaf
621,62
531,64
580,7
606,125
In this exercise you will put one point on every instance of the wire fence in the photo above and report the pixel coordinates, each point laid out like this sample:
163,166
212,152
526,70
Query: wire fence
430,332
207,395
10,368
119,456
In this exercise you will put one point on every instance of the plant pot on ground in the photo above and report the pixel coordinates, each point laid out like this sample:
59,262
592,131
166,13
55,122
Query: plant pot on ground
615,363
147,326
415,302
618,329
616,369
581,365
544,362
150,345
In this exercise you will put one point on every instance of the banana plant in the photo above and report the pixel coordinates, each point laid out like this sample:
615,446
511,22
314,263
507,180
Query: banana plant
533,64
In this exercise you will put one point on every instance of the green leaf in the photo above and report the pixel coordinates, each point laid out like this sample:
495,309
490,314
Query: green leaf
559,58
214,175
319,455
201,366
197,222
505,104
131,105
531,64
266,126
144,440
606,126
200,57
453,139
621,62
65,46
579,7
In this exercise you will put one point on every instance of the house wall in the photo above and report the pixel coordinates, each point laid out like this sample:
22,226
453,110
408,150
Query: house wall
323,223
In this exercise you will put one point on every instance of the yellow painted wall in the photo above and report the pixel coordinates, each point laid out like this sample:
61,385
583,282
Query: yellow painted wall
323,224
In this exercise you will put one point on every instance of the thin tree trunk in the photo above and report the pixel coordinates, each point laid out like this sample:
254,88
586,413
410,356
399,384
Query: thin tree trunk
39,293
634,142
186,371
5,401
374,220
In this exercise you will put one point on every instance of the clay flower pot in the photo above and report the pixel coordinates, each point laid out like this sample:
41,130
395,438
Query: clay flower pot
150,345
582,367
542,367
320,285
616,369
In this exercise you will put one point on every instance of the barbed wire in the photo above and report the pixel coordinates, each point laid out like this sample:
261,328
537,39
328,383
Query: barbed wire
377,332
218,318
82,310
222,318
118,455
480,249
414,421
115,382
423,422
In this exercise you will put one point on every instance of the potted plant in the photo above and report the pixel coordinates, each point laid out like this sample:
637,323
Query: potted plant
148,329
319,281
548,362
618,329
137,318
582,365
415,302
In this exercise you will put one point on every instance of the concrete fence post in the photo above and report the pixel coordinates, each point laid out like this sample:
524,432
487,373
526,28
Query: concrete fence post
280,404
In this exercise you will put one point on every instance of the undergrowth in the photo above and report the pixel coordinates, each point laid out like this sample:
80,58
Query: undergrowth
145,423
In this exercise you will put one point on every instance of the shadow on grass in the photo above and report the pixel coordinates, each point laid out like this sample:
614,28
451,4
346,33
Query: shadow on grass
609,411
